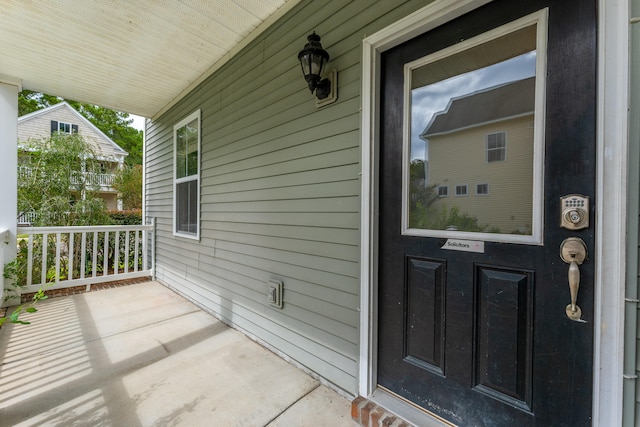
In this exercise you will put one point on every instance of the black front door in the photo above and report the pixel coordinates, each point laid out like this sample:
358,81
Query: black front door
487,123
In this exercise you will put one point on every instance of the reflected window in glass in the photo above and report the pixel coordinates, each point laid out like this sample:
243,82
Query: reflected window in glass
461,190
482,189
496,147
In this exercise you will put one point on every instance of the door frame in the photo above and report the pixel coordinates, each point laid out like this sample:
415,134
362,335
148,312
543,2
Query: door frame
611,205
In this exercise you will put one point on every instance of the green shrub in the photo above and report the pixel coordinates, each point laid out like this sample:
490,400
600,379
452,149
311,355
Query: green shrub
130,217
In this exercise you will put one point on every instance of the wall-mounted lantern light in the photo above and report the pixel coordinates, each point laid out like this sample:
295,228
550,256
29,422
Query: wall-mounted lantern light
313,59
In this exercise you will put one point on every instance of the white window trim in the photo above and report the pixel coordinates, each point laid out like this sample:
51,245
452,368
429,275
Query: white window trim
612,142
446,194
176,180
536,237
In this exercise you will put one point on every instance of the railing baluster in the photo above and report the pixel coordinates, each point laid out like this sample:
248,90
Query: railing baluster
153,248
45,243
105,263
135,253
116,254
94,264
30,260
58,245
83,254
145,249
145,237
126,252
70,254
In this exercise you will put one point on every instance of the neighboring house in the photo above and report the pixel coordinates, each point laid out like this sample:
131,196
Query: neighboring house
254,189
480,151
63,118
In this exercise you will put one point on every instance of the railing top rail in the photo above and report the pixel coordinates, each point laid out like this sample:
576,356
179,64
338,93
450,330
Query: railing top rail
83,229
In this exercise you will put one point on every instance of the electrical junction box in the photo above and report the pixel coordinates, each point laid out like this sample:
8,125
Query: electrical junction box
274,293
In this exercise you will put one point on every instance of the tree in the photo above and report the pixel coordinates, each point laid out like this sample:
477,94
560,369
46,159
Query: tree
55,185
29,101
424,210
128,182
115,124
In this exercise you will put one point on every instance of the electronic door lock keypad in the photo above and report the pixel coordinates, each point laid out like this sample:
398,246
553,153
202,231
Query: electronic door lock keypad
574,210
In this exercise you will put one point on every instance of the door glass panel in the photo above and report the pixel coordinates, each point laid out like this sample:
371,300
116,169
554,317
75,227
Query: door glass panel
472,140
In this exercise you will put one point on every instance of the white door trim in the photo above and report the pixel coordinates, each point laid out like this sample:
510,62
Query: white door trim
609,256
611,210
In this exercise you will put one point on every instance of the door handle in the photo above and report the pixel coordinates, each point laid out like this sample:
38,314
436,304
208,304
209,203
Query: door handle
573,251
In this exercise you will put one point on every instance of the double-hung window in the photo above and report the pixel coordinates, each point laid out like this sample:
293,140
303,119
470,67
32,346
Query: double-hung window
496,147
186,178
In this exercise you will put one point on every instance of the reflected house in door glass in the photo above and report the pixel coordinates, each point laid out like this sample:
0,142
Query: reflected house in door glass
485,140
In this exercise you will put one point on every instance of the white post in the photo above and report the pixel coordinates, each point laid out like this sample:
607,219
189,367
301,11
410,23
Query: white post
9,89
119,195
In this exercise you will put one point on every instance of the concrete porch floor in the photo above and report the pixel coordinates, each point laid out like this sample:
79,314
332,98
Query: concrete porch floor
141,355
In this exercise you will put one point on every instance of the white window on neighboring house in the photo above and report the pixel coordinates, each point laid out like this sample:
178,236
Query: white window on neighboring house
461,190
443,191
63,127
496,147
186,177
482,189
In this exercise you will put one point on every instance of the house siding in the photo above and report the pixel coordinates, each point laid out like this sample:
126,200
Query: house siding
280,190
39,126
461,160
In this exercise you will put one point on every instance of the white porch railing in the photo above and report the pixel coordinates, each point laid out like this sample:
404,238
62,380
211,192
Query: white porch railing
27,218
62,257
24,172
91,178
97,179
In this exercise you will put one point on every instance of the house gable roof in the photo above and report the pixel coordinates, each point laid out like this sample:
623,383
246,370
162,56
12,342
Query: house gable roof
513,99
29,128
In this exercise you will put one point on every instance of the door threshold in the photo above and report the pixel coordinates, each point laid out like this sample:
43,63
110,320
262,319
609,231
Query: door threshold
406,410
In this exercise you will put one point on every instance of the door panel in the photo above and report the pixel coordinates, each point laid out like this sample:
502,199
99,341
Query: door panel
478,335
504,317
425,313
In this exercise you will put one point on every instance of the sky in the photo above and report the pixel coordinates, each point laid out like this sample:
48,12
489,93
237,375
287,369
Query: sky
138,122
431,99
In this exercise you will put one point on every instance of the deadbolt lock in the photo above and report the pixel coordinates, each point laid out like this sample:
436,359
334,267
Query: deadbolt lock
574,210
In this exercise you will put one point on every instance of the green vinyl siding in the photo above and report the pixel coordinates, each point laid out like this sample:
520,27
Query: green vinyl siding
280,190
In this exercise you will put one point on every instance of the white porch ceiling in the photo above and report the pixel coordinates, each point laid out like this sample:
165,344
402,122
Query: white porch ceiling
137,56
